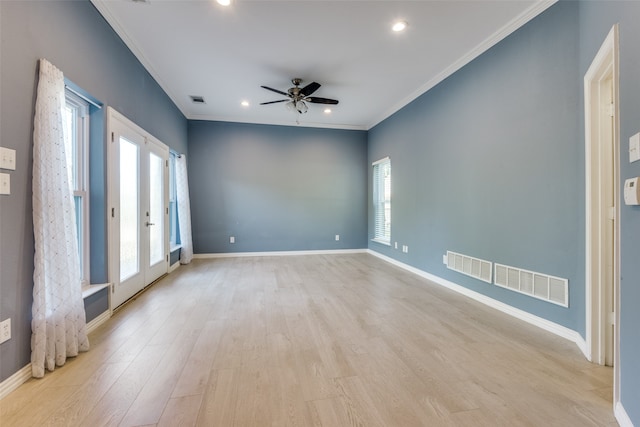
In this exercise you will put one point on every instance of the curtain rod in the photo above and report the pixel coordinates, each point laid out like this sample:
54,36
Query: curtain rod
83,96
171,150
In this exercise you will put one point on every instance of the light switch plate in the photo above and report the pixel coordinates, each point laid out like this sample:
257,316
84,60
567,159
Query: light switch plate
5,183
7,158
634,148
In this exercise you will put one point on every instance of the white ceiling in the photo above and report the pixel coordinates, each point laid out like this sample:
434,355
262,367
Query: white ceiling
226,53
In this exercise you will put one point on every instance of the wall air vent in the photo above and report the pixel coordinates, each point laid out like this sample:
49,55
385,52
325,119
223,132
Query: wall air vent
474,267
542,286
196,99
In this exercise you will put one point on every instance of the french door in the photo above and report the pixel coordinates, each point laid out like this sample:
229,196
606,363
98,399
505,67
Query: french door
138,200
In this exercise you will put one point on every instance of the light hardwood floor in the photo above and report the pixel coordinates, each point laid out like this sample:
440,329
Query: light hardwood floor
323,340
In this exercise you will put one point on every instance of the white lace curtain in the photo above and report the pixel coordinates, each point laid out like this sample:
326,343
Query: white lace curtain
58,324
184,209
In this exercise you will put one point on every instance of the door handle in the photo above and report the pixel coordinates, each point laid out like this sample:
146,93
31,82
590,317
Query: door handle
149,223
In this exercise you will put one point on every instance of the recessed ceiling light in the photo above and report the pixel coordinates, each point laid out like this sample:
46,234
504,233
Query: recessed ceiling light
327,110
245,103
399,26
224,2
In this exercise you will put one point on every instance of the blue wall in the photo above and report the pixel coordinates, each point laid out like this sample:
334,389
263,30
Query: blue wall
74,37
596,20
276,188
490,164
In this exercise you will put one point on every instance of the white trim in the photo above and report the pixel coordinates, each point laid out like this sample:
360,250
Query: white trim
607,56
279,253
15,381
382,242
89,290
173,267
547,325
118,124
384,159
98,321
23,375
291,122
621,415
536,9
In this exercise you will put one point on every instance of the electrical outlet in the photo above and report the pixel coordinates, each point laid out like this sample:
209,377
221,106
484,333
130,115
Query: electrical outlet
396,245
337,237
5,183
405,249
445,260
5,330
232,239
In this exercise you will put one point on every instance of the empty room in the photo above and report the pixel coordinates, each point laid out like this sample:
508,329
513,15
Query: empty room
319,213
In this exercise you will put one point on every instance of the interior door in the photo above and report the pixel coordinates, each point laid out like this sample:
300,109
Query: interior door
138,195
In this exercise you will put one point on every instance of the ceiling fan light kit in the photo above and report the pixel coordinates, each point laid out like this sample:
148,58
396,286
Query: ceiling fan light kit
297,98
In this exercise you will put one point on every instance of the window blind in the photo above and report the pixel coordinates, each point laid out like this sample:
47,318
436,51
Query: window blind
382,200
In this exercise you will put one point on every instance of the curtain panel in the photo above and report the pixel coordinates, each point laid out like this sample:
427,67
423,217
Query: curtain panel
59,322
184,209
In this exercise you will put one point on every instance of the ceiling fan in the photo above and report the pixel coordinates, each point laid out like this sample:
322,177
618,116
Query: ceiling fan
298,97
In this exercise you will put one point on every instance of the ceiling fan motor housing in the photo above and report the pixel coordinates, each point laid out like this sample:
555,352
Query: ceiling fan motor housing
297,96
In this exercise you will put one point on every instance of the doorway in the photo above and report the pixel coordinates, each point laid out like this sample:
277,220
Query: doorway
602,206
138,200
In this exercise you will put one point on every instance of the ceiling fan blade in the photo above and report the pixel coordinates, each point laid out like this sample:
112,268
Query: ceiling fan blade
310,88
275,90
316,100
274,102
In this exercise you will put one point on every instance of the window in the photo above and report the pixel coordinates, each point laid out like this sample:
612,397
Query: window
382,201
76,134
174,230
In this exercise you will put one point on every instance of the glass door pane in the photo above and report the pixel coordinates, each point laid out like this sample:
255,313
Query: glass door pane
129,209
156,209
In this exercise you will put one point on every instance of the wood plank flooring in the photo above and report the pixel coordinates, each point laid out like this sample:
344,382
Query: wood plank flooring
319,340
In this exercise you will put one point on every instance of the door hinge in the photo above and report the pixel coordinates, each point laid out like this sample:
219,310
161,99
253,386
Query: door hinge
167,258
167,163
611,318
112,137
167,211
113,212
610,110
612,213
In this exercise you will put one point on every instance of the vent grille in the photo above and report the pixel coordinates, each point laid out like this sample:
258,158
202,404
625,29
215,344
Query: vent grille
196,99
473,267
542,286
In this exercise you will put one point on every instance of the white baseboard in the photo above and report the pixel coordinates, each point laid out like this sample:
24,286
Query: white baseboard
23,375
174,267
532,319
621,416
15,381
92,325
280,253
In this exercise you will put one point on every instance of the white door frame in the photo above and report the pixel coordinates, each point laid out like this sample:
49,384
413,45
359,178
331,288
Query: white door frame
603,67
147,273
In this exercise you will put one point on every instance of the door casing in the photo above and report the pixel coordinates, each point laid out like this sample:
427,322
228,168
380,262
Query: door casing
116,125
602,282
